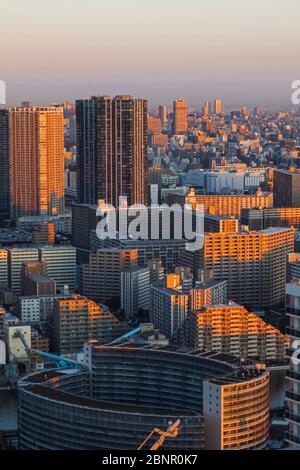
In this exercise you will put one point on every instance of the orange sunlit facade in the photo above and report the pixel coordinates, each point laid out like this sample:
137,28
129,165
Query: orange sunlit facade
229,205
180,117
231,329
253,263
36,160
236,411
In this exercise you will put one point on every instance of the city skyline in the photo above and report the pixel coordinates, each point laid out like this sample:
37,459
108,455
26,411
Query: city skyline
202,51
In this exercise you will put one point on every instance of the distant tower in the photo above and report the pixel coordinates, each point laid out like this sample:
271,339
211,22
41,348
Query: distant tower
36,136
218,106
180,124
163,114
206,110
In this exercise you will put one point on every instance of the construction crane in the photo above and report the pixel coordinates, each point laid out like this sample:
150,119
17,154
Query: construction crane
172,432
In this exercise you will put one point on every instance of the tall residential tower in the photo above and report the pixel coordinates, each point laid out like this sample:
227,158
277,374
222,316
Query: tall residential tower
36,140
112,149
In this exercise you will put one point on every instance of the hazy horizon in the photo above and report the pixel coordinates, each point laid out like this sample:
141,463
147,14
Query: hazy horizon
54,51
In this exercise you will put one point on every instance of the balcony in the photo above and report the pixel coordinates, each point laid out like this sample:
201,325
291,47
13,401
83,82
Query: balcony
293,396
293,312
292,438
293,417
293,375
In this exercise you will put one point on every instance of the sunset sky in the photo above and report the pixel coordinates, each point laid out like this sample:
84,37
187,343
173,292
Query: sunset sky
244,52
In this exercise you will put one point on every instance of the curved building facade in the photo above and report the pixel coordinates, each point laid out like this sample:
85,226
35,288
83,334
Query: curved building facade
122,395
236,411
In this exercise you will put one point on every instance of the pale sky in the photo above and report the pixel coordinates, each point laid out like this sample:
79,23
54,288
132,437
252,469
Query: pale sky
242,52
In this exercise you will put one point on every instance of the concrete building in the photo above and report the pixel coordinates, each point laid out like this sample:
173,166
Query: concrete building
3,268
28,309
293,374
167,251
100,279
217,106
135,291
163,114
236,411
231,329
168,305
62,222
260,219
16,258
37,170
4,165
2,321
60,264
84,220
229,205
208,293
287,188
253,263
77,320
34,280
112,149
170,388
180,125
219,223
293,267
44,234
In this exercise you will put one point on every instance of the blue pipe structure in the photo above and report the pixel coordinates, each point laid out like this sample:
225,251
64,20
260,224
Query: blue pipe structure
127,335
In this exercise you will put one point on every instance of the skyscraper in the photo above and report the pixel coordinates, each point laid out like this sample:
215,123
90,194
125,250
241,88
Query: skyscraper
217,106
163,114
287,188
4,165
36,136
112,149
180,117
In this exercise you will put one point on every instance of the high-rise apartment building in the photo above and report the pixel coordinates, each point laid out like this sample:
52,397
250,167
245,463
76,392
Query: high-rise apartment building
163,114
60,261
253,263
154,125
3,268
169,305
16,258
226,205
34,280
208,293
180,125
218,106
219,223
293,267
4,165
231,329
77,320
236,411
36,139
259,219
135,291
112,149
2,321
206,109
100,278
293,374
287,188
